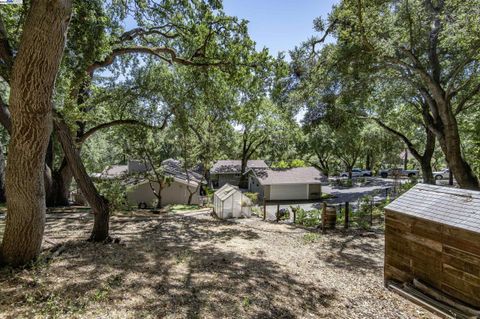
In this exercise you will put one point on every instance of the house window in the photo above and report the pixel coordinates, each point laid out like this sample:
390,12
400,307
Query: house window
237,175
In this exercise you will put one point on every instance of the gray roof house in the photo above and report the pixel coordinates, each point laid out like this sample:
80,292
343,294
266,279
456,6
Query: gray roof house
229,171
299,183
139,190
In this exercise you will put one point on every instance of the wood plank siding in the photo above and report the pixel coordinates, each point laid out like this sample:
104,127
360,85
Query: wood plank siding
445,257
433,233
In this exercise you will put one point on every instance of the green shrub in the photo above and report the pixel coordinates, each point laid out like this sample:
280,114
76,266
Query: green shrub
308,218
116,193
310,238
253,197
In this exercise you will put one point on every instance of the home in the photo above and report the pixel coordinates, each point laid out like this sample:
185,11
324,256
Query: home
299,183
229,171
139,192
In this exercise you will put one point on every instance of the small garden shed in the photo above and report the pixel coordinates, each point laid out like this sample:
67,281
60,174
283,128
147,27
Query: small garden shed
432,234
230,202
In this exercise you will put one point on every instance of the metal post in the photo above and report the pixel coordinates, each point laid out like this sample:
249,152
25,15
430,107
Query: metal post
347,214
324,216
264,209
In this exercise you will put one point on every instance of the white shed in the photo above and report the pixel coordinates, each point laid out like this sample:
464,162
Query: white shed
229,202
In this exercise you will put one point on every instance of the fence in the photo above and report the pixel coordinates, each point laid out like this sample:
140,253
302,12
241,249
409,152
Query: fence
367,212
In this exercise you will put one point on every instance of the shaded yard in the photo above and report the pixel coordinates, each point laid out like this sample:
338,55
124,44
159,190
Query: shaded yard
190,265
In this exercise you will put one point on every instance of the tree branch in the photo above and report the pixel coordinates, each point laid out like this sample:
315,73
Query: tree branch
405,139
102,126
467,97
167,54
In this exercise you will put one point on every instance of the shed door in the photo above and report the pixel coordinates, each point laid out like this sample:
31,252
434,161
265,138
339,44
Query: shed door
286,192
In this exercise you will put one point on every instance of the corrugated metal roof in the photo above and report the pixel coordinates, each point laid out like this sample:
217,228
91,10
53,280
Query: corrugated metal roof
450,206
235,166
297,175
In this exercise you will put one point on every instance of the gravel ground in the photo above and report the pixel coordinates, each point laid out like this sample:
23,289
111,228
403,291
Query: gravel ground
191,265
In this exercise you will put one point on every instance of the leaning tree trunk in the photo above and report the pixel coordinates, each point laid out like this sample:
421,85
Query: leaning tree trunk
31,90
98,203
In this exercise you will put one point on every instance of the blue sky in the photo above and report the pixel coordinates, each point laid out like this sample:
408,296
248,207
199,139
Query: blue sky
279,25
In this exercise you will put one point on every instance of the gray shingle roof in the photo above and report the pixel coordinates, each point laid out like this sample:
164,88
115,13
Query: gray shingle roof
445,205
297,175
174,168
235,166
170,167
115,171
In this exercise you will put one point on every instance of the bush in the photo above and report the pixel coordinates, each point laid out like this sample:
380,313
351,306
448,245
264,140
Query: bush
253,197
115,192
310,218
283,214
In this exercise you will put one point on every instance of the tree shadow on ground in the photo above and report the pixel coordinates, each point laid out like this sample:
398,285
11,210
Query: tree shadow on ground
176,266
354,250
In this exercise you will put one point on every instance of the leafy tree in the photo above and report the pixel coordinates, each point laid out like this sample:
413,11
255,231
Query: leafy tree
431,46
30,69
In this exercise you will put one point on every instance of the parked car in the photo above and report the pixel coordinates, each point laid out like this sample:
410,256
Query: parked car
392,172
444,173
357,172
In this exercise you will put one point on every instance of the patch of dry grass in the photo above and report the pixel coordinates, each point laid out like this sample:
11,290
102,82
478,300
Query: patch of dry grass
190,265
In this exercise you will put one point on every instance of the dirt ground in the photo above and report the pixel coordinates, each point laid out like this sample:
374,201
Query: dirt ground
191,265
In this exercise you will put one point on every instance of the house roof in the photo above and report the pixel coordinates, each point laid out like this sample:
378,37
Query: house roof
174,168
170,167
112,171
445,205
225,192
297,175
235,166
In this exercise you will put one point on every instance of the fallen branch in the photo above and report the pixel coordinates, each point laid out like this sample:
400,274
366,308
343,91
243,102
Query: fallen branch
443,298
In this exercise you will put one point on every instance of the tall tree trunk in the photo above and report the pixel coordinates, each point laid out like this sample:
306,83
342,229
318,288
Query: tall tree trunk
450,144
60,190
243,177
427,172
98,203
3,198
368,162
405,159
31,90
426,159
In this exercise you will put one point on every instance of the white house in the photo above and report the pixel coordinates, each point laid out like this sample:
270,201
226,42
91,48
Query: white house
300,183
139,190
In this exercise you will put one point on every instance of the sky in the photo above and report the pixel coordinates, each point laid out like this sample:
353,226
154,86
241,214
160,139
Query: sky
279,25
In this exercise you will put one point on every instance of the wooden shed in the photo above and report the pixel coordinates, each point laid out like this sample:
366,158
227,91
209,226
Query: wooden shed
432,234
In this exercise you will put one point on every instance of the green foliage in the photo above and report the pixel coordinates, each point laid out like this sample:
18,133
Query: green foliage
115,192
252,196
310,218
182,208
246,302
291,164
309,238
